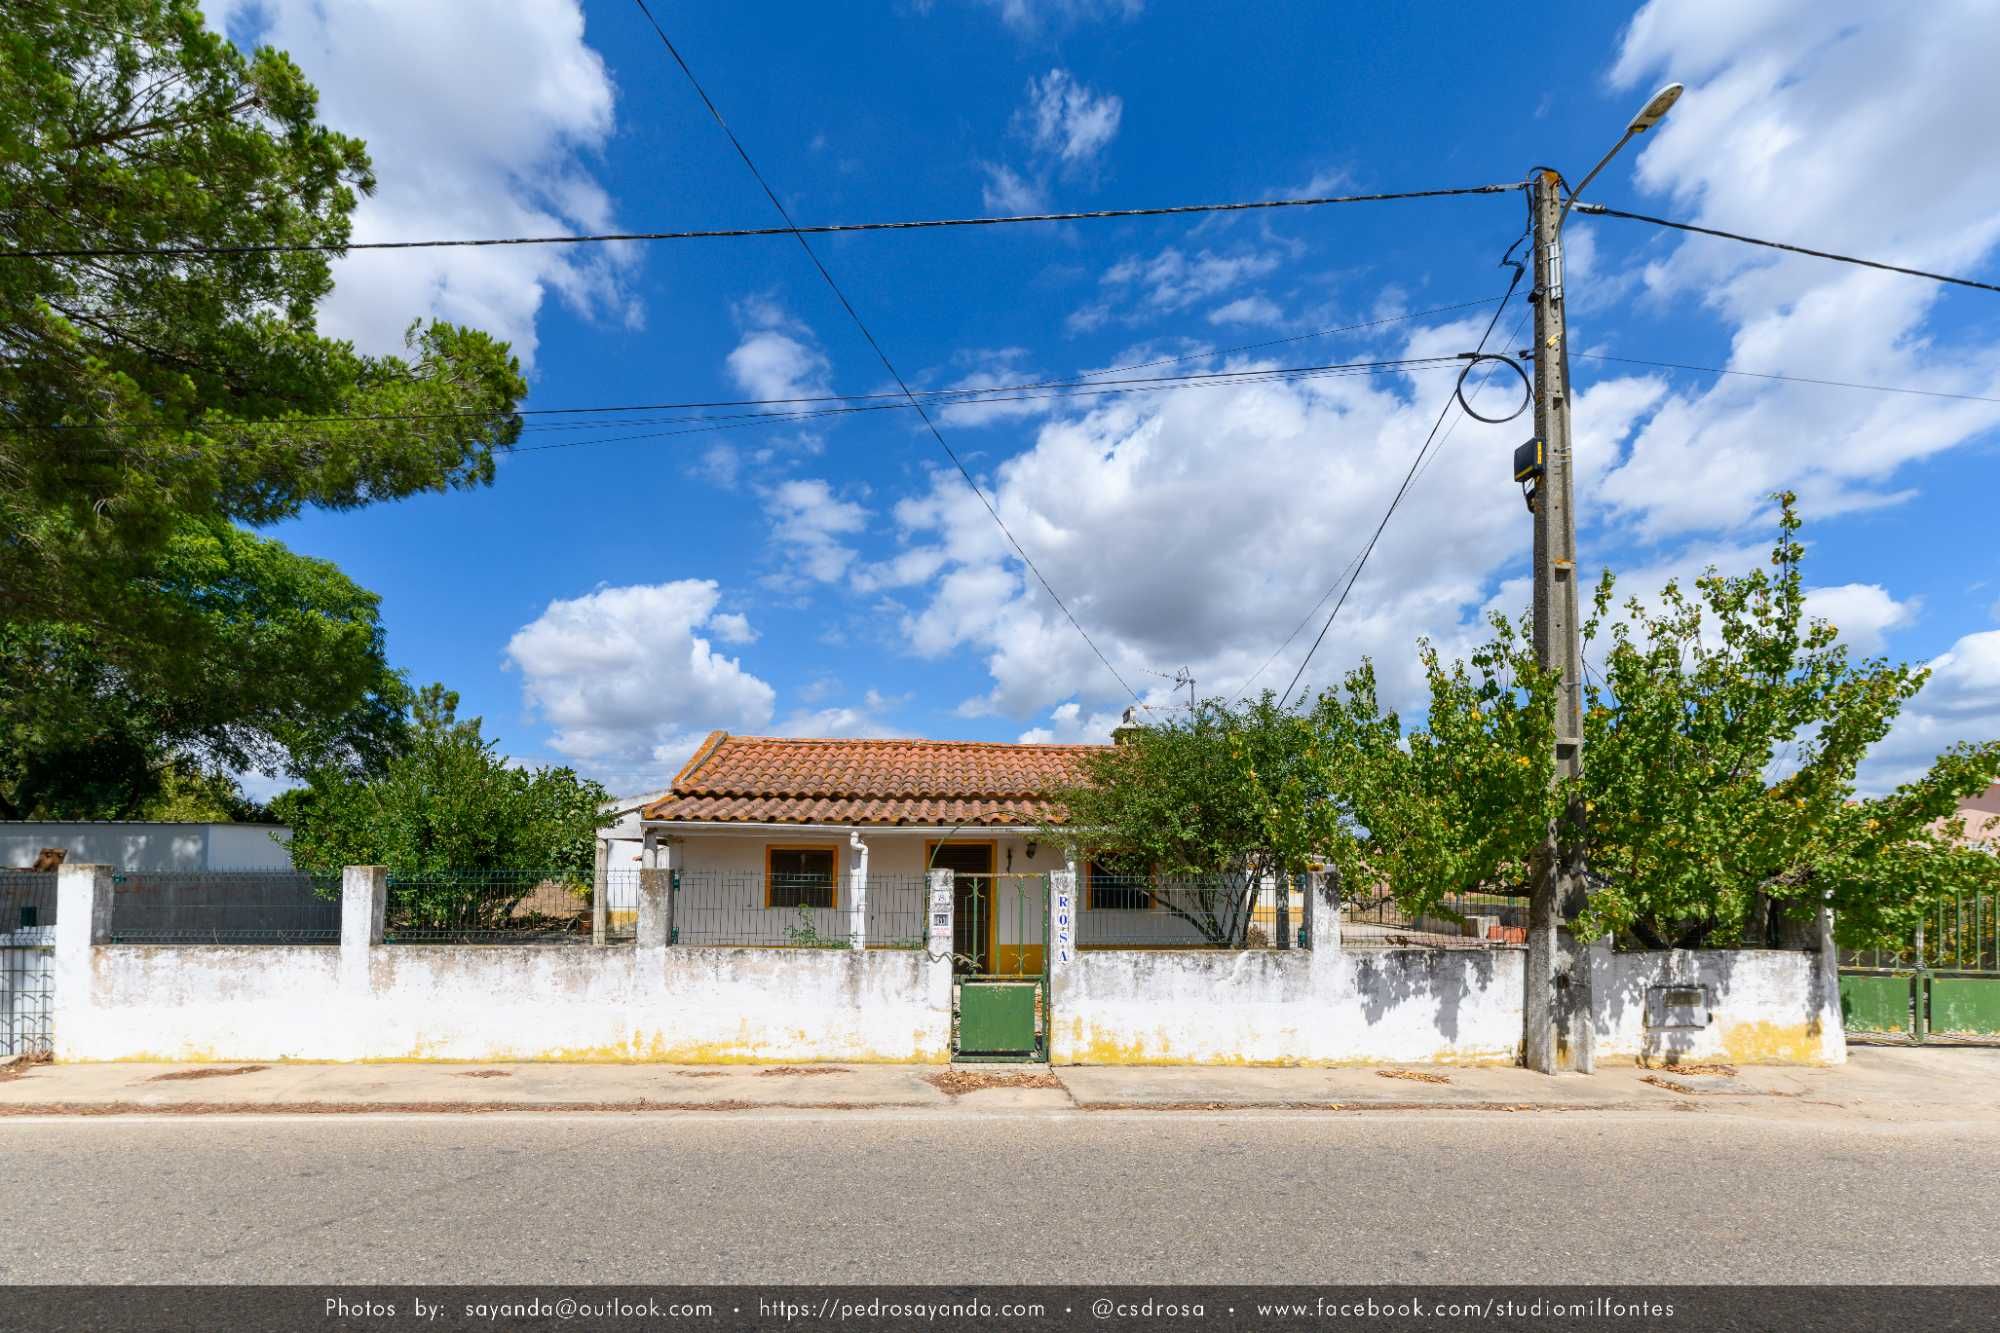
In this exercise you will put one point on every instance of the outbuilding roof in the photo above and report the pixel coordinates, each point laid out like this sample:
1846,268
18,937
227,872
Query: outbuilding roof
783,780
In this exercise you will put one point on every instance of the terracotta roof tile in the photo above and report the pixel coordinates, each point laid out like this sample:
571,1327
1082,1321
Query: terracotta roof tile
780,780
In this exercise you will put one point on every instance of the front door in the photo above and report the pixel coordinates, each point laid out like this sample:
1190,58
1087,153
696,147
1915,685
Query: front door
971,864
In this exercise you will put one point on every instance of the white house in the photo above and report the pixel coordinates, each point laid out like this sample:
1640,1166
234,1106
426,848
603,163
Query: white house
808,842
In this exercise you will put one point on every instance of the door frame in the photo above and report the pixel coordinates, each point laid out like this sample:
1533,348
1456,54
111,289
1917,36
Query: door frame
992,846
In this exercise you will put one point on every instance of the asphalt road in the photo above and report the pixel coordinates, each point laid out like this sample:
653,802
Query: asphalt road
857,1197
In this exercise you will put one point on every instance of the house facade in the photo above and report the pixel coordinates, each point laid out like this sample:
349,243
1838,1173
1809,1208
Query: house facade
817,843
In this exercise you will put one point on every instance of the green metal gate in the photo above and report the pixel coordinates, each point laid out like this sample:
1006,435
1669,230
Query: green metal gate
1000,968
1944,986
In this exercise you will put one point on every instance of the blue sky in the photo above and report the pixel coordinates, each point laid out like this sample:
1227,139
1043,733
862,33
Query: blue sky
607,604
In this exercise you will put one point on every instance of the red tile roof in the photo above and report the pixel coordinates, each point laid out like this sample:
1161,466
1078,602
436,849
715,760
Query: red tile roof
778,780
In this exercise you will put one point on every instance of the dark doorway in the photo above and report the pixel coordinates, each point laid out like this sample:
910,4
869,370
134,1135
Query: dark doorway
971,864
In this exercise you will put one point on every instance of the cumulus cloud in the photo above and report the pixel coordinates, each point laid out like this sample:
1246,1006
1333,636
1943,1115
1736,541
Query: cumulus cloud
1195,527
628,682
1247,310
1772,140
1960,702
777,356
813,527
497,140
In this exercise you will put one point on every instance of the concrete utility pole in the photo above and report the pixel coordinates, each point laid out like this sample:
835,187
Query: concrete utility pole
1558,988
1558,873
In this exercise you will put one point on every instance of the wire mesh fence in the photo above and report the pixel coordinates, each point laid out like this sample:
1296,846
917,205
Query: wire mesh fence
1455,921
489,907
781,908
27,991
275,906
27,900
1118,911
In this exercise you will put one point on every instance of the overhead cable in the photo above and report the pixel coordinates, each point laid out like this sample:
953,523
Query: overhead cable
1603,210
1788,379
1396,500
880,354
738,233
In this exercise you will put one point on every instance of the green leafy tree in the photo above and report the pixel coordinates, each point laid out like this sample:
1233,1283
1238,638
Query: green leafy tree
450,818
1210,803
162,380
264,659
1457,806
1721,746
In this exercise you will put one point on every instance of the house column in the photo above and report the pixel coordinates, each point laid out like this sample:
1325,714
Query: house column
857,892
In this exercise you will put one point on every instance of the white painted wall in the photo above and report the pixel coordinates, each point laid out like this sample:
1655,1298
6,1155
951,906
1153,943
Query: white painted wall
703,1005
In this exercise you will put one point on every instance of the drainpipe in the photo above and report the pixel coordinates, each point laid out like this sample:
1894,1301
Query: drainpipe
857,893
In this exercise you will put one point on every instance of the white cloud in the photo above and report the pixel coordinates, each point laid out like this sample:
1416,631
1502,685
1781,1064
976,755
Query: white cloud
1772,139
997,366
1864,613
1031,17
732,627
1008,191
1247,310
1960,702
777,356
811,524
1196,527
628,684
1068,121
495,140
1173,280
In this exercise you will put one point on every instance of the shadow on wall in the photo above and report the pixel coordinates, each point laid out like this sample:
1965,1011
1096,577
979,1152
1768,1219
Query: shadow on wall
1390,978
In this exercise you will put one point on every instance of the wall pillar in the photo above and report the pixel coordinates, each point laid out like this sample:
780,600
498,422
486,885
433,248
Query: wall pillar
83,922
1826,994
938,923
656,889
600,889
364,904
1062,958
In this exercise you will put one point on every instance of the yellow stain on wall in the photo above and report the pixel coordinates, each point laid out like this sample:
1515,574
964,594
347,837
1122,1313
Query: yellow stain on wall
1078,1042
1763,1043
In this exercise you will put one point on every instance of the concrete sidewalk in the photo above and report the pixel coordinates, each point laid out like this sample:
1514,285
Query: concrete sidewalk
1878,1083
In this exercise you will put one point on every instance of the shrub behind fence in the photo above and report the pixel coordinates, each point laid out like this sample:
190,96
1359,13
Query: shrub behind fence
488,907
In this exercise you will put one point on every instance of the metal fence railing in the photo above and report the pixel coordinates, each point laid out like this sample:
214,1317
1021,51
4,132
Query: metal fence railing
768,910
1157,912
1456,921
278,906
489,907
1959,935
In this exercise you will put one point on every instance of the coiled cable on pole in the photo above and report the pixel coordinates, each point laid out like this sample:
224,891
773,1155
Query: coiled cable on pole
1527,386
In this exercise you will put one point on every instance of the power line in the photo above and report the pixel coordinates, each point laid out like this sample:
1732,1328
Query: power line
737,233
1297,337
1396,500
1789,379
974,396
1602,210
881,355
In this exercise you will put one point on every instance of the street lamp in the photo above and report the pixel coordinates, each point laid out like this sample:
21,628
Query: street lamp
1562,874
1651,114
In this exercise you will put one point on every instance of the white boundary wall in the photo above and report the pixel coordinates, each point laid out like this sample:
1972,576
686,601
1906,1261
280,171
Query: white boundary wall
366,1001
363,1000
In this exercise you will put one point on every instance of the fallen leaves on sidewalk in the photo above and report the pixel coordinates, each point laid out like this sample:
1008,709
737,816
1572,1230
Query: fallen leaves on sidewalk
484,1073
779,1071
958,1082
205,1071
16,1065
1413,1075
1669,1084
